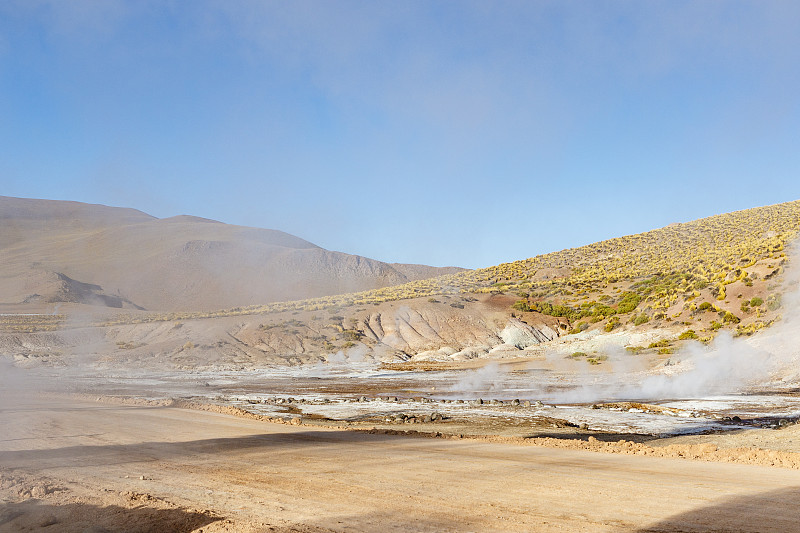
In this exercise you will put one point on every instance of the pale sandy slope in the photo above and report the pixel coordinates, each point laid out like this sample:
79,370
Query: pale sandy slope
79,467
70,251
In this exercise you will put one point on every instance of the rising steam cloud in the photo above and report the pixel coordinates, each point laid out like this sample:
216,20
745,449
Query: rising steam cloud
769,359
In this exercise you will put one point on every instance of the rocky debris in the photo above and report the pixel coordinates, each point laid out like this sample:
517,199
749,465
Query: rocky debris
402,418
37,491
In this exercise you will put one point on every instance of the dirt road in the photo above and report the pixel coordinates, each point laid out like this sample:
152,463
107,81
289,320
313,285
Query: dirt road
83,466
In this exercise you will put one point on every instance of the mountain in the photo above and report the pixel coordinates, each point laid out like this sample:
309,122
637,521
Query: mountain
58,251
650,293
721,272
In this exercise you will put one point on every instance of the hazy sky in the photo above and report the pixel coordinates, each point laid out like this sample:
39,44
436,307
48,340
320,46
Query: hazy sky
447,133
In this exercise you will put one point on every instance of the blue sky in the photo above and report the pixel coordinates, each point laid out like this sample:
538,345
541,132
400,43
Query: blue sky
446,133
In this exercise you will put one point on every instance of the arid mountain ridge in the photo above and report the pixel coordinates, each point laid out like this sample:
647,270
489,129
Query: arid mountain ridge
648,293
60,251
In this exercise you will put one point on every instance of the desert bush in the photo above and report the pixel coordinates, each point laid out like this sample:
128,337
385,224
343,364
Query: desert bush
663,343
774,302
352,334
730,318
521,305
628,302
612,323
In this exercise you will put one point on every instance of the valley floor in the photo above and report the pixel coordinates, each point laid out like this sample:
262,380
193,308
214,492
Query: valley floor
76,465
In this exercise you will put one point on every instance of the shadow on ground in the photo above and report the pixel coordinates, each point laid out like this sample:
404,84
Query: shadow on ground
108,454
770,512
33,515
599,435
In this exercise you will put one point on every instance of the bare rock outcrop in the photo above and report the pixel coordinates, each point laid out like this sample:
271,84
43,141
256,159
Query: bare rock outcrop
522,335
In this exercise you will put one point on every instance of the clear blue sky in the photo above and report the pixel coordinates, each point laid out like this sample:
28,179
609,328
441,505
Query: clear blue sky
447,133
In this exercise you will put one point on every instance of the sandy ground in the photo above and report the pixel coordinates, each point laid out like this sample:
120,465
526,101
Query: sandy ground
89,466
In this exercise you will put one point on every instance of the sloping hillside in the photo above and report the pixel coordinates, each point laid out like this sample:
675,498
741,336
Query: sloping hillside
717,272
72,252
648,293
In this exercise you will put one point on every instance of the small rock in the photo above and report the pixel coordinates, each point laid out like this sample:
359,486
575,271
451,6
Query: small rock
48,520
514,402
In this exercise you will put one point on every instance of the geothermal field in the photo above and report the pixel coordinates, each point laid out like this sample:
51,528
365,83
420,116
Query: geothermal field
652,386
704,440
395,267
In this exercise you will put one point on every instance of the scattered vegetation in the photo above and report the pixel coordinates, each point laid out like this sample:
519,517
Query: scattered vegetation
30,323
660,274
122,345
